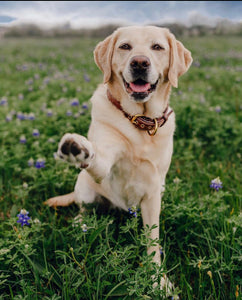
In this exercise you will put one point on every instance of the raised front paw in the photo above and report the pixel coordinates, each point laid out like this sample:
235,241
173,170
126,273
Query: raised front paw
76,149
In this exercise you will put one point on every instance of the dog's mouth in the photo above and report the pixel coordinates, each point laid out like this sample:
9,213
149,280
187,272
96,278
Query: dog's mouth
139,89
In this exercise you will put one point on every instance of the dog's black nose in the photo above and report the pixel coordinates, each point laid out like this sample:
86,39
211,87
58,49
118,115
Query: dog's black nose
140,63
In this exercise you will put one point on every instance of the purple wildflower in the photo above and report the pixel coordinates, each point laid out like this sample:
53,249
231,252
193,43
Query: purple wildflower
3,101
23,217
40,163
74,102
86,77
31,116
30,162
84,228
29,81
8,118
56,156
36,133
49,113
20,116
22,139
85,105
69,113
20,96
133,211
60,101
216,184
218,109
46,80
197,63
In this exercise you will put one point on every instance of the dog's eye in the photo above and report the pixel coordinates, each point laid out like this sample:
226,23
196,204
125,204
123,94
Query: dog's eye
157,47
125,47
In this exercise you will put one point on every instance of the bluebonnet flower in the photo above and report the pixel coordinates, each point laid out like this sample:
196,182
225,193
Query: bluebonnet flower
86,77
74,102
22,139
218,109
197,63
202,99
41,66
40,163
60,101
30,162
133,211
49,113
23,217
36,133
56,156
8,118
21,116
24,67
46,80
84,228
69,113
31,116
12,112
216,184
85,105
29,81
4,101
20,96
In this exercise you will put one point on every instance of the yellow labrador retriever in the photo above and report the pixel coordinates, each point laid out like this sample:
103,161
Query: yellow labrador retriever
130,139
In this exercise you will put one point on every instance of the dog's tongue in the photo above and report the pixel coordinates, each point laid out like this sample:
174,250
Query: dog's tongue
139,88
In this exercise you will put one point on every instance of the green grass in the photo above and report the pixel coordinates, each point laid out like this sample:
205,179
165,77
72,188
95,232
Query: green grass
200,228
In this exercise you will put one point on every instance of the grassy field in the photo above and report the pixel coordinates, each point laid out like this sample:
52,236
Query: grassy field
41,83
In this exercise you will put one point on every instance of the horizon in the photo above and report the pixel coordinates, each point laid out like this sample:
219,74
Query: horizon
92,14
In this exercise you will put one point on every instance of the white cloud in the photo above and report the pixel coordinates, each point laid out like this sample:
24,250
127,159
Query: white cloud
96,13
196,18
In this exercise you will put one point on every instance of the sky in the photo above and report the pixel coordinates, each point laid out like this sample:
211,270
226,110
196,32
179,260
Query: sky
81,14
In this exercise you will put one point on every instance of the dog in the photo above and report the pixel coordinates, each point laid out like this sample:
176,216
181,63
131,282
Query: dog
130,140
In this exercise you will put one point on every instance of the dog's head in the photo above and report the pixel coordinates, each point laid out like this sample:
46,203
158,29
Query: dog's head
141,59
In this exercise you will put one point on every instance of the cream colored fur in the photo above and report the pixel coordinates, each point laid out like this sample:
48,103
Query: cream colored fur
126,165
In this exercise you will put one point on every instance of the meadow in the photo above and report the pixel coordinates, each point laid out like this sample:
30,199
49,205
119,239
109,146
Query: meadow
45,87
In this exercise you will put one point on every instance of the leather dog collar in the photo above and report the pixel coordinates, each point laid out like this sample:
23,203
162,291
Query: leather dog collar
140,121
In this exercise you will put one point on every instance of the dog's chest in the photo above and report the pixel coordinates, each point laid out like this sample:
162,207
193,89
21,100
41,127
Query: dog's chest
131,178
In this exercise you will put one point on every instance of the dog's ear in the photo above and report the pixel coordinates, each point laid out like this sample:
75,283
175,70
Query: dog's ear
103,54
180,60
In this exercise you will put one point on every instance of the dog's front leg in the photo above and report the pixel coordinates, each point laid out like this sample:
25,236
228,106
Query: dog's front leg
150,209
96,158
